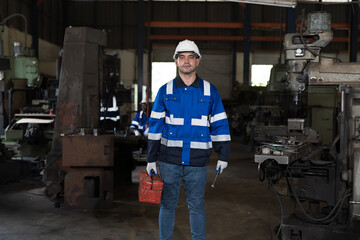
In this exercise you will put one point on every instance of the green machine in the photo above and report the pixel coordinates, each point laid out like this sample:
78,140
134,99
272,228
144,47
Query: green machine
322,106
22,67
18,75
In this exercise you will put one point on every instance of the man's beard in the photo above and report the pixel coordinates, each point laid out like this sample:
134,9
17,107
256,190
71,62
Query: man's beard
188,71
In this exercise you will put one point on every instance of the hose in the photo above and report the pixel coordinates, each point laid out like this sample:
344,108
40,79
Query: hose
307,47
21,15
329,217
281,207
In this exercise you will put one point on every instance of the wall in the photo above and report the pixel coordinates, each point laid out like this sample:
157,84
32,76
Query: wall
216,65
128,66
44,18
48,52
216,68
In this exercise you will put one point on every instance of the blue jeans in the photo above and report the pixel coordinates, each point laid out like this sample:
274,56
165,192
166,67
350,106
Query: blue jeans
194,182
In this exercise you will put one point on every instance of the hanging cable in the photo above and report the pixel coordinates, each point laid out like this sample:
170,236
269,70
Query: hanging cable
281,207
21,15
302,26
329,217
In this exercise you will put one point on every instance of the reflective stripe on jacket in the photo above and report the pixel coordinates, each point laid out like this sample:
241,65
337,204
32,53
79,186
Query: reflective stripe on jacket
139,122
186,123
112,111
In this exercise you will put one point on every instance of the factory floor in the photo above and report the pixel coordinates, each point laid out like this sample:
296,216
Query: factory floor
239,207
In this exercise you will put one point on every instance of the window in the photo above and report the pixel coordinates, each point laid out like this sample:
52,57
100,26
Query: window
161,73
260,75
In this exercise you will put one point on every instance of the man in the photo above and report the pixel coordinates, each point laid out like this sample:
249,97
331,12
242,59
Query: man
139,126
109,114
186,122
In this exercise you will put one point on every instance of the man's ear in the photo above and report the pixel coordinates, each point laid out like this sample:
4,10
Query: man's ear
197,61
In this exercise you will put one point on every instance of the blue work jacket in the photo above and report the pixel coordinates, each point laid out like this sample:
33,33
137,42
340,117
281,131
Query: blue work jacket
139,122
186,123
112,110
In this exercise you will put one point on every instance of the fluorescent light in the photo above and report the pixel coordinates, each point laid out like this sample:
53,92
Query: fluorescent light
278,3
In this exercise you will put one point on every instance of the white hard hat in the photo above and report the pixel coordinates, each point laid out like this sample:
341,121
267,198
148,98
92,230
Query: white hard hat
187,46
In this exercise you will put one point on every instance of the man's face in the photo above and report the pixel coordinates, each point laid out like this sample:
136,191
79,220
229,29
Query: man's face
187,62
143,106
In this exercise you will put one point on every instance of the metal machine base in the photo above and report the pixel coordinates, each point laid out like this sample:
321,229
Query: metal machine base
90,188
295,229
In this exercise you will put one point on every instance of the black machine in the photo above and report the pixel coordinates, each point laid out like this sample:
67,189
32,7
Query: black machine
89,158
326,179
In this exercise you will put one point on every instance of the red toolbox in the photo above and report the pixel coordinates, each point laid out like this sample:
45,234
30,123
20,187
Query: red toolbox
150,188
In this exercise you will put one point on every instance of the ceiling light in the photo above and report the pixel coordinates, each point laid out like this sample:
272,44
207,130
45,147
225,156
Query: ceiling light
278,3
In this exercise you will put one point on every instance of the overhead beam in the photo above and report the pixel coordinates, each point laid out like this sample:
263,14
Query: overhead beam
231,38
181,24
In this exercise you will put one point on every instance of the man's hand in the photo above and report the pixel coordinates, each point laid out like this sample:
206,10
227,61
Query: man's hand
151,166
146,132
220,166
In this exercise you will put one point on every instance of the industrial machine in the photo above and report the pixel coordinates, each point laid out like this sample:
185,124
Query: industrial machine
19,77
89,160
24,106
328,179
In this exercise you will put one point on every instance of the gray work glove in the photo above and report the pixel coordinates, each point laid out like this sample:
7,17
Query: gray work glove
151,166
220,166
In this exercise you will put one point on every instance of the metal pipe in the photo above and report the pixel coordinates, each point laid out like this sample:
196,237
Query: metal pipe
246,75
10,103
140,49
21,15
149,70
342,101
342,126
342,157
354,32
1,42
343,131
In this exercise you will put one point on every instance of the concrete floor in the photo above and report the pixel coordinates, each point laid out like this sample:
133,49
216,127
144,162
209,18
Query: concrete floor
240,207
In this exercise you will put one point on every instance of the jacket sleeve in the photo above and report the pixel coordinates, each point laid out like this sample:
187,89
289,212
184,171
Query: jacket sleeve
156,126
142,120
135,122
219,127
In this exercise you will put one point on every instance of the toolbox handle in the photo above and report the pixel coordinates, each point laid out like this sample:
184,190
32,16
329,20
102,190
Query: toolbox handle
152,174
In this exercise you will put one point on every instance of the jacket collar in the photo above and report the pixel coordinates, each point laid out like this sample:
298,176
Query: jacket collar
179,82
